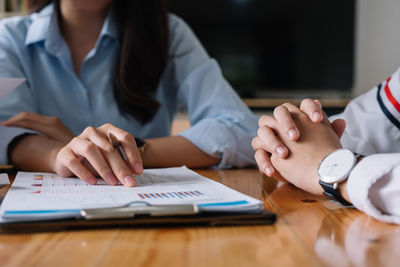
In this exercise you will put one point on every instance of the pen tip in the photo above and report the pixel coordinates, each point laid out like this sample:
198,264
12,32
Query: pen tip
113,139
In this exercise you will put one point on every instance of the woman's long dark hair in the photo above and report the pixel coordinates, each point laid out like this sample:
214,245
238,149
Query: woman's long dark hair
143,56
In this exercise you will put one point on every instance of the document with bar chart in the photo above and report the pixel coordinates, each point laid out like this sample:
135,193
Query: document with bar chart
48,195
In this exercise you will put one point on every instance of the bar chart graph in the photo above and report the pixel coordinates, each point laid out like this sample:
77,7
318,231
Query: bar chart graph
171,195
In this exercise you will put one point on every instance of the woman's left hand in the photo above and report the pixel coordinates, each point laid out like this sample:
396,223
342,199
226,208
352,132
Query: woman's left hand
52,127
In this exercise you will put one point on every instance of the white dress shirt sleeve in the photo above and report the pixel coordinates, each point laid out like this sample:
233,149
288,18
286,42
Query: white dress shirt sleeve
373,119
221,124
374,186
373,130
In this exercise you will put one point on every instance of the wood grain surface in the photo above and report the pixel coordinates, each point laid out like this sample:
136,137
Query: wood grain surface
310,231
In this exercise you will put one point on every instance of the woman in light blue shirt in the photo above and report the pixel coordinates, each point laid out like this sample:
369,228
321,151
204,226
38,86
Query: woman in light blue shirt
124,67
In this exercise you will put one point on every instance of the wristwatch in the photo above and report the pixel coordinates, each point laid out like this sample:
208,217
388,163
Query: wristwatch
335,168
141,145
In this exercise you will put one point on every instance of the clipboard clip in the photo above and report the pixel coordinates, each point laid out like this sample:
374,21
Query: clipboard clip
139,207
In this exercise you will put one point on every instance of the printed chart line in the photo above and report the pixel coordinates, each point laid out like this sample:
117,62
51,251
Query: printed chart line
161,195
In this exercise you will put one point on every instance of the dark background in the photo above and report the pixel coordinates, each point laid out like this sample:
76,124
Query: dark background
266,46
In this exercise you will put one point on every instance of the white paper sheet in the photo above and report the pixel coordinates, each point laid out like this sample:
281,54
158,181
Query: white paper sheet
35,195
9,84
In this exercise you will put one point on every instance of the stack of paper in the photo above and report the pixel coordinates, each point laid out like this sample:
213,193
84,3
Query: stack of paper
36,196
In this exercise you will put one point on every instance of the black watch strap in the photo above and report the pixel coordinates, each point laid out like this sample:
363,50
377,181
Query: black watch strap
141,145
140,142
333,193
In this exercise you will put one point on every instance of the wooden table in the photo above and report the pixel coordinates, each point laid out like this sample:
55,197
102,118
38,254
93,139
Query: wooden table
310,231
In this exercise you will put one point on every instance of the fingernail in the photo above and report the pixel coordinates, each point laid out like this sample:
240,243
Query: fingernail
92,180
111,179
280,150
316,116
129,181
268,171
138,168
292,133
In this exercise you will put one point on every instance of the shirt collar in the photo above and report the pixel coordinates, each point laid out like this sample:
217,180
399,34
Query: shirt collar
45,27
38,30
110,27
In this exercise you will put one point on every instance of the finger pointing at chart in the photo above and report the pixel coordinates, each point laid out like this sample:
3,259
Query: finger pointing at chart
104,153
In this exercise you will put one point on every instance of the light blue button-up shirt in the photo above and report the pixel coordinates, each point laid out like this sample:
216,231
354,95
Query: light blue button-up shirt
32,47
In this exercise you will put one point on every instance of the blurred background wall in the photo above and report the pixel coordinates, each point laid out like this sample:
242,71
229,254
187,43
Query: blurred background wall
377,42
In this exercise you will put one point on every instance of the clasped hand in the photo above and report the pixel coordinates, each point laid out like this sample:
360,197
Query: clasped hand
290,144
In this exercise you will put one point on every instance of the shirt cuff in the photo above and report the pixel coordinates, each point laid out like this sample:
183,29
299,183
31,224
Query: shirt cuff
362,180
7,134
356,144
222,140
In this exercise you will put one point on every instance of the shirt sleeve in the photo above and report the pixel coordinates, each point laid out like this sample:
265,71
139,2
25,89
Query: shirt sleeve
374,186
373,128
221,124
373,119
21,98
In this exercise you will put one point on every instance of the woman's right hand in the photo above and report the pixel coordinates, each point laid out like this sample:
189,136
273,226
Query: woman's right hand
91,154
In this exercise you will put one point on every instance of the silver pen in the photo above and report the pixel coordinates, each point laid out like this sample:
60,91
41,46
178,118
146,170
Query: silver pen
115,143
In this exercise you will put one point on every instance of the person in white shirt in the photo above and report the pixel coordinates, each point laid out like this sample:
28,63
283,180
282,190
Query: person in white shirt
292,145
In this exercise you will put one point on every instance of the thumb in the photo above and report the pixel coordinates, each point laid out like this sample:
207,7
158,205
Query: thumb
338,126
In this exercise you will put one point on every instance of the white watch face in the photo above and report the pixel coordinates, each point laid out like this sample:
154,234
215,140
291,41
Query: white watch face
336,166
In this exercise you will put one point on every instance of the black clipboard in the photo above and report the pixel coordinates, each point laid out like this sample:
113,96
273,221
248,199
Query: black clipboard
148,216
204,219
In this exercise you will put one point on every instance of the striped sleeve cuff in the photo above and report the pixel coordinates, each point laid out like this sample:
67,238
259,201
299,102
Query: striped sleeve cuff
388,97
